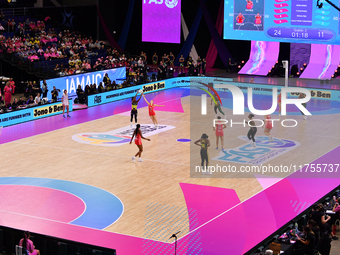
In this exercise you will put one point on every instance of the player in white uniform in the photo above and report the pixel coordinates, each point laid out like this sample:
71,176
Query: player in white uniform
64,100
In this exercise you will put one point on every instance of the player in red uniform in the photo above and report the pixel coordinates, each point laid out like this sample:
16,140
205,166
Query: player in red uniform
240,18
279,103
268,125
258,19
152,113
138,142
218,128
250,4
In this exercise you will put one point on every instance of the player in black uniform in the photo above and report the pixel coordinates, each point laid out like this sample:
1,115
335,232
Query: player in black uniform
252,131
204,143
134,104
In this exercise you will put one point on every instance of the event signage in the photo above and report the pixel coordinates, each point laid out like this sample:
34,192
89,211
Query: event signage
32,113
317,94
47,110
161,21
263,153
71,82
153,87
119,136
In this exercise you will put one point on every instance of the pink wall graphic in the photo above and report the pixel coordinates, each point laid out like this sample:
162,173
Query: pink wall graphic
263,56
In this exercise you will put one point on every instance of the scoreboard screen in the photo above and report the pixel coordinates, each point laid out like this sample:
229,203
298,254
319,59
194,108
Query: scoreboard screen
297,21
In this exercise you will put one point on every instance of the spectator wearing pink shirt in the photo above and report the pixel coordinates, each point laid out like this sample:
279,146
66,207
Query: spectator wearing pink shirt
40,51
27,244
47,54
336,207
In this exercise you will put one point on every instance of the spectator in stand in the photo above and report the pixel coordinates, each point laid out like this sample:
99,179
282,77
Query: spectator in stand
143,56
13,25
36,88
21,103
28,90
27,244
2,29
155,60
306,245
199,65
204,66
181,64
87,90
93,89
37,99
190,65
8,91
14,105
2,16
161,71
114,85
315,228
171,59
97,44
57,69
195,69
27,23
30,101
100,88
81,95
44,88
55,94
106,80
322,220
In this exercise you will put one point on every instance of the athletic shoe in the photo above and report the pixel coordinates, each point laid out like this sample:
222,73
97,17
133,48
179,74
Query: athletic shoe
64,116
133,159
335,238
131,125
254,144
69,116
216,148
222,149
251,143
271,139
304,117
140,160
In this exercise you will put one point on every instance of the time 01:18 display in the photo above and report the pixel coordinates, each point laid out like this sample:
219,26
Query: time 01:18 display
305,34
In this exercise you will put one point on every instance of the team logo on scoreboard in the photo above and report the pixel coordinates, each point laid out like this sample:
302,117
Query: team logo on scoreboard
263,153
119,136
171,3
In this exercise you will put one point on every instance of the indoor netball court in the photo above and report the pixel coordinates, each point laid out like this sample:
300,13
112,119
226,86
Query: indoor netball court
74,178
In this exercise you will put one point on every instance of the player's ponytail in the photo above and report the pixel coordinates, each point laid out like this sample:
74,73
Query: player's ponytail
137,128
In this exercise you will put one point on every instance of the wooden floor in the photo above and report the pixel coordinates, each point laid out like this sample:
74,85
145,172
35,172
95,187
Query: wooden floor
166,161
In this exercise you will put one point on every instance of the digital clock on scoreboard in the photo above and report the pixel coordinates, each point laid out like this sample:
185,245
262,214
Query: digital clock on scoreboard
301,34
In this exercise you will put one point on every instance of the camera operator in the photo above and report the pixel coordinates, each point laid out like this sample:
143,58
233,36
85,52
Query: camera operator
55,93
44,88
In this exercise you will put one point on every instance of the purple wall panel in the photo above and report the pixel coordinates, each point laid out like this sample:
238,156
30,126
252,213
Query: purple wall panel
324,60
299,54
263,56
161,21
